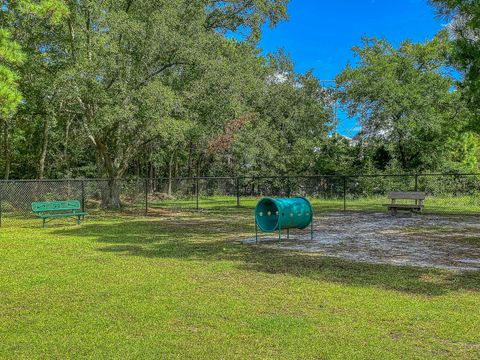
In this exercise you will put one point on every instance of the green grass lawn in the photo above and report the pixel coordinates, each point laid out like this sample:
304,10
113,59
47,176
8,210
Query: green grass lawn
433,205
180,286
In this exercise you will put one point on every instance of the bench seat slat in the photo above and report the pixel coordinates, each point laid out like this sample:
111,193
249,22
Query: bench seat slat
45,216
405,206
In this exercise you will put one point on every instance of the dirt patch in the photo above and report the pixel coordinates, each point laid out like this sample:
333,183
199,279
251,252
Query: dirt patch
413,240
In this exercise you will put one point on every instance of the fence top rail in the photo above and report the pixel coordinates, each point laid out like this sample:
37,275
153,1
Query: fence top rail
69,180
238,177
311,176
48,180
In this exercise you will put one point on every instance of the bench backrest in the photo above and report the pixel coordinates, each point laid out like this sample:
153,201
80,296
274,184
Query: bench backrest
408,195
56,206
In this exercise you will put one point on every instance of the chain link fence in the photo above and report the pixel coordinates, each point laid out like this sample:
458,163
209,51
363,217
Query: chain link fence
446,194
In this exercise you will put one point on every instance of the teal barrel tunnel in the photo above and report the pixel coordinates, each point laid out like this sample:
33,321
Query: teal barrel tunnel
279,214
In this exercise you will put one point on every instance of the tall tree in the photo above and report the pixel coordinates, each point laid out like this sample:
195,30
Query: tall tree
126,56
10,97
465,26
10,51
404,100
12,56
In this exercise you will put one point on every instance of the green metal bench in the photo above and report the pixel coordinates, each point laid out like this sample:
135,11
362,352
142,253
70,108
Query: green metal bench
50,210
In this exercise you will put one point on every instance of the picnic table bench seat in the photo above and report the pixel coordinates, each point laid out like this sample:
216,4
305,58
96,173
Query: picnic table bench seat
418,197
49,210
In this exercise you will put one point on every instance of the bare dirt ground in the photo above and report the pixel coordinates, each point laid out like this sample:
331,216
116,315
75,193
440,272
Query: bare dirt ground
413,240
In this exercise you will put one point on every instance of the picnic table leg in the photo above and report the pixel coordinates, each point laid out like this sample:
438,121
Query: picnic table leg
78,220
43,222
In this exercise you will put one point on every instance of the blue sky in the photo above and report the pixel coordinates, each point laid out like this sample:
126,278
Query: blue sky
320,33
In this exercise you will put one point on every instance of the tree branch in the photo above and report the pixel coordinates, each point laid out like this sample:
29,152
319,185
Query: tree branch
158,71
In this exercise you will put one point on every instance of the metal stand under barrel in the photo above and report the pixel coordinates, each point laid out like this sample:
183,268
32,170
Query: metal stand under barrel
276,214
280,234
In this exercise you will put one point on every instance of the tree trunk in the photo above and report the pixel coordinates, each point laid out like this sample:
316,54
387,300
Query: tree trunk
189,166
153,187
66,144
151,178
111,194
170,170
176,173
43,152
6,151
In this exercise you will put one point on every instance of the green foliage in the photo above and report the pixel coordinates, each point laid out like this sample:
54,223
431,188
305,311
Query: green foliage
10,55
51,10
232,15
292,120
161,88
405,101
10,51
465,27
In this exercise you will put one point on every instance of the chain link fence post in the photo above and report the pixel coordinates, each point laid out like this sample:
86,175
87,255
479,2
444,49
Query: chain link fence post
416,182
344,193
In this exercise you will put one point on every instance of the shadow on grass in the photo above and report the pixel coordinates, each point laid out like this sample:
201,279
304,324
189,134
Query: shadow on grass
202,239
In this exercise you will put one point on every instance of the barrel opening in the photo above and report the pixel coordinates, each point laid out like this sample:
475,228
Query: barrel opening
267,215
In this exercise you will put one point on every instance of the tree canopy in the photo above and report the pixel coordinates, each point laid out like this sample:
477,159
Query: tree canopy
171,88
405,101
464,16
